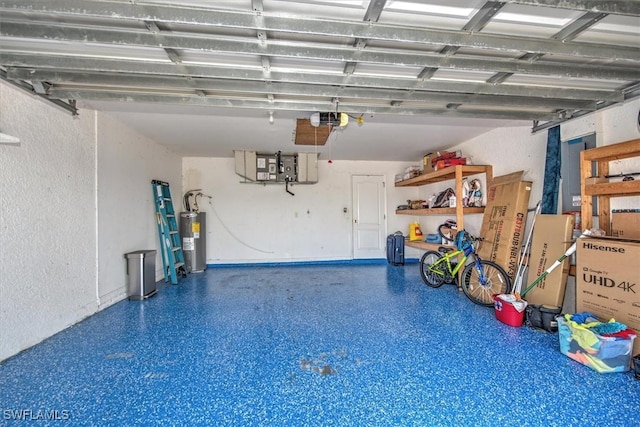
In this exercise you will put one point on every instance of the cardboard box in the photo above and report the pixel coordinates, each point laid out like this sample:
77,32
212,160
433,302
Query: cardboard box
626,223
454,161
608,280
426,162
551,238
446,155
504,220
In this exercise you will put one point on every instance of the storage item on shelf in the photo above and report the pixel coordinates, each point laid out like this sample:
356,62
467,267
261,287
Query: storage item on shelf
411,172
441,160
415,233
441,164
473,196
416,204
453,173
433,238
426,163
445,155
625,223
604,191
442,199
447,231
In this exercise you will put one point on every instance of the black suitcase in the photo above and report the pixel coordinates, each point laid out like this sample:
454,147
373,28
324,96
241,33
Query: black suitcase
395,249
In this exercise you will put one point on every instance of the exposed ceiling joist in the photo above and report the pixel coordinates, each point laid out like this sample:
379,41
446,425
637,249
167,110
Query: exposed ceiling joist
619,7
371,15
578,26
67,33
320,27
569,32
30,65
266,104
299,89
296,55
476,23
67,106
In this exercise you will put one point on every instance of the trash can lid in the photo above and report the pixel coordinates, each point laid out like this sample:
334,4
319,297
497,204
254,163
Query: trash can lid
140,254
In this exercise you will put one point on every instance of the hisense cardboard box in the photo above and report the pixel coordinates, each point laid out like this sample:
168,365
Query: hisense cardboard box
504,220
550,240
608,280
626,223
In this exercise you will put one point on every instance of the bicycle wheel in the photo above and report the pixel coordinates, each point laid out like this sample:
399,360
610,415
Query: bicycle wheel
432,274
480,288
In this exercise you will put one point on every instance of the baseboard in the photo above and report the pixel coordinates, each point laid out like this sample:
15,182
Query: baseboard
375,261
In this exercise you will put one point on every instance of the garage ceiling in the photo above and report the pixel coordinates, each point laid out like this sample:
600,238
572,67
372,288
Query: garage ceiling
203,77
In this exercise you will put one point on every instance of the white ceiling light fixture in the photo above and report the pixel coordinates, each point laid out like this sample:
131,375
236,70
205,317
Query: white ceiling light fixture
8,139
271,117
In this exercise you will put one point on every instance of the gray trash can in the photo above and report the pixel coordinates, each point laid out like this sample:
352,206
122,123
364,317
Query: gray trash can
141,274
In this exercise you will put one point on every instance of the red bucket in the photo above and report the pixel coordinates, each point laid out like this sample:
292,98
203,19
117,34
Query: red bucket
507,313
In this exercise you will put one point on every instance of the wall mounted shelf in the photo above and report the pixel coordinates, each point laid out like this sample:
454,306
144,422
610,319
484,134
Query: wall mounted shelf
455,173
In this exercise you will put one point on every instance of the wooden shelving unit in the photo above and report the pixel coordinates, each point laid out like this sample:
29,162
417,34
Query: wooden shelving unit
604,191
455,173
425,246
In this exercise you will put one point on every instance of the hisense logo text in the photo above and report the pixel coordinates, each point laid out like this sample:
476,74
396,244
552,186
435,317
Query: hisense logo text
604,248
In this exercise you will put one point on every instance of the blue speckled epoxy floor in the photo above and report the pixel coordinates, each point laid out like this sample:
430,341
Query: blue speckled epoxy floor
362,345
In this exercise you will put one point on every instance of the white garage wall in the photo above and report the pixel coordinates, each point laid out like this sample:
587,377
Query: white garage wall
507,150
270,225
127,162
70,181
257,223
612,125
513,149
47,220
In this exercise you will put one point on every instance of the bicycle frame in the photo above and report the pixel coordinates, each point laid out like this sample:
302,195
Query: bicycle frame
446,258
479,279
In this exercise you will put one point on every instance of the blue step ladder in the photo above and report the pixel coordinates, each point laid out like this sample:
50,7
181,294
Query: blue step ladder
170,243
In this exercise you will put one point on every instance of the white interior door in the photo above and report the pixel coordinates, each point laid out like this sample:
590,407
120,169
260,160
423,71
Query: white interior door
369,219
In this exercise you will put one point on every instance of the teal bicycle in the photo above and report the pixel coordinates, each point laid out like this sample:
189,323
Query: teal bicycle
480,279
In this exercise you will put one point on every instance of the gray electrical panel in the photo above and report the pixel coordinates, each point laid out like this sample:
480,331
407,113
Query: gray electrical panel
287,167
266,167
277,167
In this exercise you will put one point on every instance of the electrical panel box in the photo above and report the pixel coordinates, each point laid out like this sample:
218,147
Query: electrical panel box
287,167
266,167
277,167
